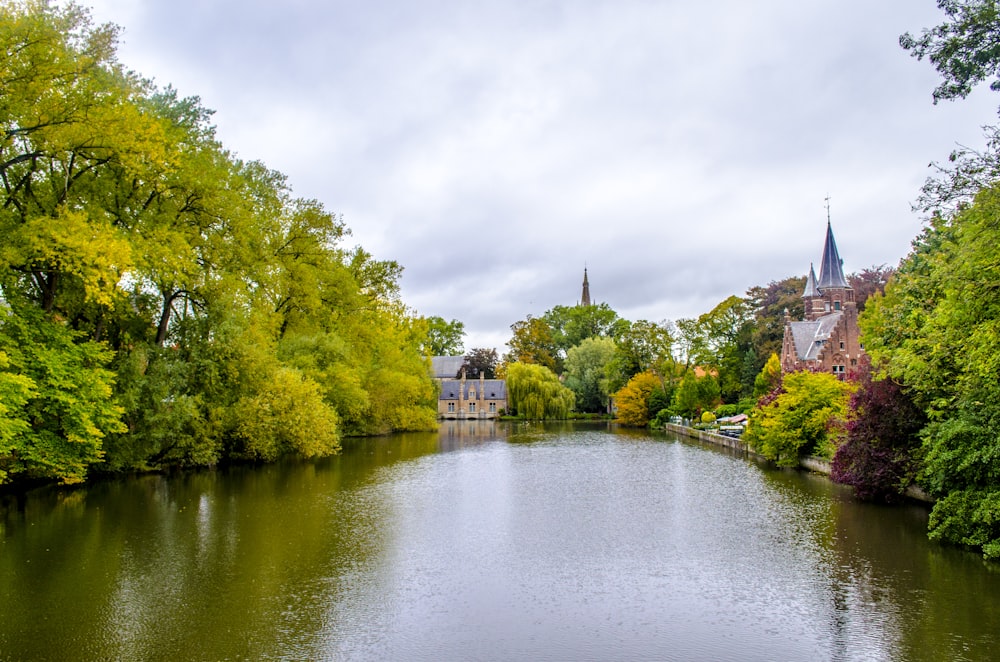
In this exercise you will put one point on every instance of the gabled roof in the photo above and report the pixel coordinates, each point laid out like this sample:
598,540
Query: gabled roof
493,389
811,289
831,271
446,367
809,337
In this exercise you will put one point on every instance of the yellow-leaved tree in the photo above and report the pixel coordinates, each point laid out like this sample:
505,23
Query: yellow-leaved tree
632,400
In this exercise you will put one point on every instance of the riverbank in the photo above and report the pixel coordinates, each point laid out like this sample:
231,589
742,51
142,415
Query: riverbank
808,463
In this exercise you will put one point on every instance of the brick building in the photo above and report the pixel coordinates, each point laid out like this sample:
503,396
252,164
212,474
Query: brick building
828,338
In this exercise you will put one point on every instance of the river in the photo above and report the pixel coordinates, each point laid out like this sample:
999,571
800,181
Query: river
487,541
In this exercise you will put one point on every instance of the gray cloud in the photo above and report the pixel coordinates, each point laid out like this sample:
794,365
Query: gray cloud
682,151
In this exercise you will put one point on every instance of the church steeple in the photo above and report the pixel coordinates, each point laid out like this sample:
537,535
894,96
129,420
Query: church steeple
831,271
585,298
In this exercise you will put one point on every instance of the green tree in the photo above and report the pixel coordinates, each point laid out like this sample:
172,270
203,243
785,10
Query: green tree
769,378
443,338
534,392
640,346
937,329
586,373
532,342
803,419
965,49
57,407
696,393
726,331
769,304
571,325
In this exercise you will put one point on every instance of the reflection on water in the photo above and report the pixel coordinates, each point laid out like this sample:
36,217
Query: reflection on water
487,540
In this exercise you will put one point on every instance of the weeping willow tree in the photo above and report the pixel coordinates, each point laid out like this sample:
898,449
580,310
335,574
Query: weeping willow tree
535,393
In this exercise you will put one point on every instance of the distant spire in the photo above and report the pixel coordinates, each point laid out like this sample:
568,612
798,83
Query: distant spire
831,271
811,289
585,299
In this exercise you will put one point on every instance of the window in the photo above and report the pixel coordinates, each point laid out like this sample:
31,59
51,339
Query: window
493,407
836,305
841,344
451,407
472,407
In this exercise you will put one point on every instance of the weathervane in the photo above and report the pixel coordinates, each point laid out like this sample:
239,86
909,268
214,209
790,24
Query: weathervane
827,199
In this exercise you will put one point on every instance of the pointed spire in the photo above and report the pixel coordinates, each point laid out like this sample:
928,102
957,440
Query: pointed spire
831,271
585,299
811,289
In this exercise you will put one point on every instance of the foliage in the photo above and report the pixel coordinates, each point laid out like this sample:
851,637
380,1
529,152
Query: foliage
769,304
769,377
801,420
632,400
571,325
877,458
643,346
707,417
696,394
532,342
937,329
868,282
586,373
725,411
965,49
165,302
727,331
443,338
285,414
534,392
480,361
56,400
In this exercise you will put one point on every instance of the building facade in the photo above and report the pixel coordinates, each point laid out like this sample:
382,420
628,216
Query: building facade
471,398
828,339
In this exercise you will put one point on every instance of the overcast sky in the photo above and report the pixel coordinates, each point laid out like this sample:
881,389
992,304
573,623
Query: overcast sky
681,150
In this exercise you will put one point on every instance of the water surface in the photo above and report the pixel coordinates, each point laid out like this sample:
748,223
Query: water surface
487,542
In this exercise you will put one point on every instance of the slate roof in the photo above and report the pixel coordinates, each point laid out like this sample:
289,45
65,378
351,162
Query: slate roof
811,289
493,389
831,271
809,337
446,367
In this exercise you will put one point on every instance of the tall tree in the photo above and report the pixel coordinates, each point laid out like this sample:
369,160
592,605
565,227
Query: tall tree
965,49
443,338
644,346
937,329
769,304
571,325
532,342
587,373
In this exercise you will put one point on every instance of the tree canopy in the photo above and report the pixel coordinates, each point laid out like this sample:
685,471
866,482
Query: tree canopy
162,301
965,49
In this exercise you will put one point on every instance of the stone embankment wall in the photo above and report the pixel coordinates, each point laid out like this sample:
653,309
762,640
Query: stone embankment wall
816,464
